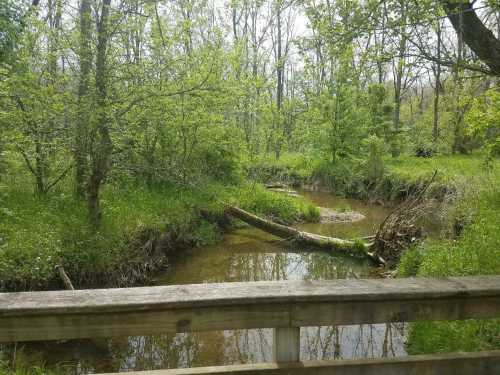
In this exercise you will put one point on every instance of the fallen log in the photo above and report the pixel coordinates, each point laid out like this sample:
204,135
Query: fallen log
276,185
292,234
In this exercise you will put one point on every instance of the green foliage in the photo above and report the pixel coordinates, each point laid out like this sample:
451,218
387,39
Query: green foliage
359,247
191,111
410,262
477,252
471,336
23,366
380,111
275,206
11,24
291,169
375,162
451,168
484,120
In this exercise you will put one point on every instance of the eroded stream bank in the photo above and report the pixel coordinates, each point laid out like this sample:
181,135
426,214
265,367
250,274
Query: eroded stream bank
243,255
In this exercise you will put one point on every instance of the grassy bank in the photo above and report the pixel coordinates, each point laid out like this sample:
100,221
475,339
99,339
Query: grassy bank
141,228
392,182
475,252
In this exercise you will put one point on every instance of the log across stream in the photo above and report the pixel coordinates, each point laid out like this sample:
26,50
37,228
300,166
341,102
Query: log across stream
293,234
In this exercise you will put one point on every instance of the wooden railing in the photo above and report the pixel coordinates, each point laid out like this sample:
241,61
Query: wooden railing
284,306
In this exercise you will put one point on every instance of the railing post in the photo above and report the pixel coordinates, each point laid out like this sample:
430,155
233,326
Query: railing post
286,344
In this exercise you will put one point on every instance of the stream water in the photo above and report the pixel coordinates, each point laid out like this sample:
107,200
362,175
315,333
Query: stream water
243,255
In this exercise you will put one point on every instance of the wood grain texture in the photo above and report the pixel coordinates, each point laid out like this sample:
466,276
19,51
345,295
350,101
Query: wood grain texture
478,363
286,344
204,307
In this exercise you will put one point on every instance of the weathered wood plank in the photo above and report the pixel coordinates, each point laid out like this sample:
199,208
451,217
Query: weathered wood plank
478,363
224,294
202,307
286,344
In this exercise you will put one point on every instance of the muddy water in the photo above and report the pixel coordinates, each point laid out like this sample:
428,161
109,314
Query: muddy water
244,255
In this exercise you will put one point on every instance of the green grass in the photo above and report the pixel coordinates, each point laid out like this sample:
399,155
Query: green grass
476,252
260,201
291,168
450,167
36,234
23,365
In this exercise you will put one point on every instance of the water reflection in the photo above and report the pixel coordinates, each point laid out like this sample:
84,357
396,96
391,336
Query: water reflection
218,348
245,255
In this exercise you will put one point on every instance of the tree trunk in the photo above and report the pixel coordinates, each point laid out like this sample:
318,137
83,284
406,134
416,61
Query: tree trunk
81,133
39,168
458,136
437,90
102,146
477,36
279,87
398,81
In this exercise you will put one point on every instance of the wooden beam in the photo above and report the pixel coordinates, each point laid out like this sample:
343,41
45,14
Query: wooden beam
286,344
477,363
203,307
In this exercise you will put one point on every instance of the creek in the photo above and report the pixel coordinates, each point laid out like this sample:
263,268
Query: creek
246,254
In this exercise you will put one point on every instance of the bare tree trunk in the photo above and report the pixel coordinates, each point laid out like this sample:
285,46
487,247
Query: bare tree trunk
279,76
54,18
437,90
82,123
380,64
102,146
473,32
458,137
398,80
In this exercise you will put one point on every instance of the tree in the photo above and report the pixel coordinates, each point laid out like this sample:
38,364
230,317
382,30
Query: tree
100,140
84,97
474,33
436,68
37,102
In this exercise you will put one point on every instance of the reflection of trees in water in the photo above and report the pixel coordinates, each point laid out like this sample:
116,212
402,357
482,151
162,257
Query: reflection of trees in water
291,266
258,266
240,346
223,347
246,346
356,341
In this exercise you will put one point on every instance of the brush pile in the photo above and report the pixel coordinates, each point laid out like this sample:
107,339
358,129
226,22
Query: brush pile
403,226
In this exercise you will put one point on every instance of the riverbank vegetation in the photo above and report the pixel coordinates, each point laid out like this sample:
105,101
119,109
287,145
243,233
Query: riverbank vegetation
143,226
127,127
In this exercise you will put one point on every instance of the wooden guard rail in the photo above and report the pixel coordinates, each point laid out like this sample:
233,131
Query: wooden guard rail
284,306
